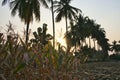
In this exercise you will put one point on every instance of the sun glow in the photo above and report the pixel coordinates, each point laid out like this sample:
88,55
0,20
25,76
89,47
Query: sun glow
61,41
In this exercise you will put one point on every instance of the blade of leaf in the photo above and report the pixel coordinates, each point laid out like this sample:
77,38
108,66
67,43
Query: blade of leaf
19,67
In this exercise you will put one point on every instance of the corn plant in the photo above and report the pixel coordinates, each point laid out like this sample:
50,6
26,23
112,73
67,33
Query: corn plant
36,60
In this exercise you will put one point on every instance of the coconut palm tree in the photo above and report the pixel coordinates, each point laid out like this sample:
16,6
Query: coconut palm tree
41,36
115,46
95,33
77,34
52,5
103,42
27,9
90,28
86,27
64,9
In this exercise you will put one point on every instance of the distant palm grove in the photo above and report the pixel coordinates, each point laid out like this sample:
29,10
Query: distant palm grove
41,57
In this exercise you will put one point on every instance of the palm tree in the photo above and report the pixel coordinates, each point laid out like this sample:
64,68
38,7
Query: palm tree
64,9
41,36
26,9
90,28
77,34
53,23
115,46
95,33
103,42
86,27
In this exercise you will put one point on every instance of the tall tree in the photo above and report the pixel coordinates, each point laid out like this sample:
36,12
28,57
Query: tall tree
53,22
90,28
26,9
40,36
64,9
86,27
76,35
115,46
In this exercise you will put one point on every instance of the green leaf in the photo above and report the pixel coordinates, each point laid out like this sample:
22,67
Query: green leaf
19,67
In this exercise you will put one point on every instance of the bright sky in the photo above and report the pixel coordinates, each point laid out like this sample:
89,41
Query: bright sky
105,12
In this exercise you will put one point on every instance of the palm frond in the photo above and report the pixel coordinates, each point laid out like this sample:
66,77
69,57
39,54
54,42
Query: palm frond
36,10
14,7
58,17
4,2
44,3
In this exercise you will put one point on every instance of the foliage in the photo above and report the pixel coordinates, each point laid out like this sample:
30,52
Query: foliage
115,57
65,10
41,37
83,29
87,54
115,47
36,60
27,10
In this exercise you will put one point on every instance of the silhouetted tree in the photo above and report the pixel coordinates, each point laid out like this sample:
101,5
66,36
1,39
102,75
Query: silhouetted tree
64,9
41,37
115,47
52,9
85,28
26,9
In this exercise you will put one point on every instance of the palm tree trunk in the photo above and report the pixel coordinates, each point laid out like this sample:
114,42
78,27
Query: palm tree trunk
98,47
53,25
89,42
66,27
66,22
94,44
75,47
85,42
27,32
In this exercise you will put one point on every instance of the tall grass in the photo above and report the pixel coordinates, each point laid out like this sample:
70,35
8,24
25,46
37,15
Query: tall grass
35,61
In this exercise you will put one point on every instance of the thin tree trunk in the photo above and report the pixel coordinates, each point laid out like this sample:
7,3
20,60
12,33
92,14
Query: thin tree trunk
81,44
53,25
27,32
66,22
75,47
85,42
94,44
89,42
66,28
98,47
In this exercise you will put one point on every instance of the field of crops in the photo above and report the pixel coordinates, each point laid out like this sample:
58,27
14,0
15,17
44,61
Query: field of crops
101,71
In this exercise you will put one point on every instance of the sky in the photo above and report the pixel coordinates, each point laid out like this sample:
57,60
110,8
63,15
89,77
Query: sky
104,12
